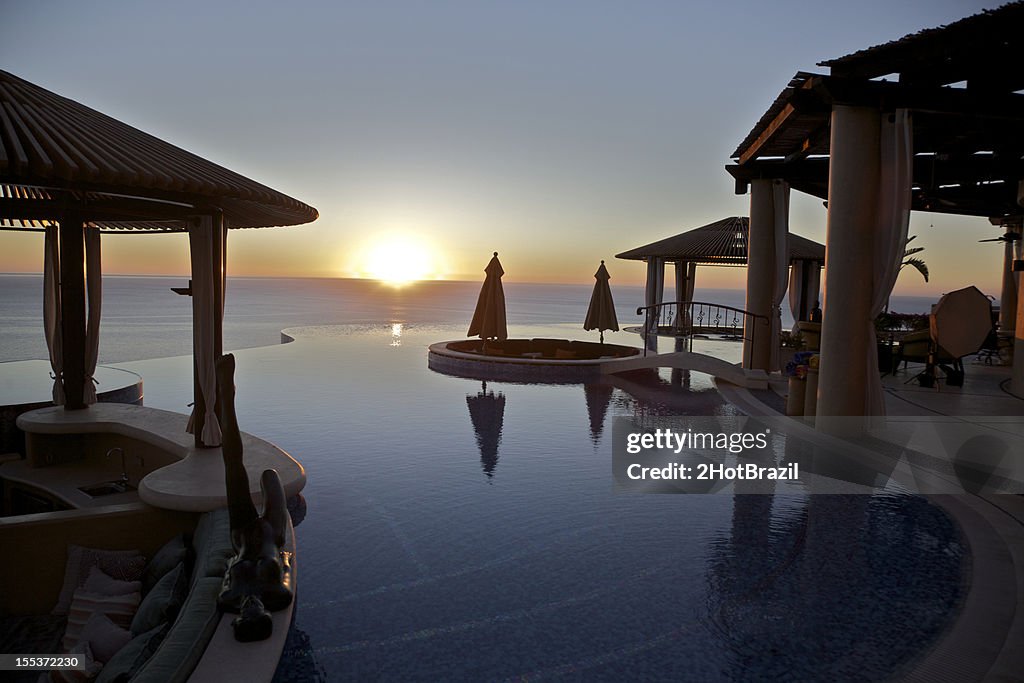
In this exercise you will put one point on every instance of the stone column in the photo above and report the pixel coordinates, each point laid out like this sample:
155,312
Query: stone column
849,262
655,289
1008,299
1017,381
760,274
682,268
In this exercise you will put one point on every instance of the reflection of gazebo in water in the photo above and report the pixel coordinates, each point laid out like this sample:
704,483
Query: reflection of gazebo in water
722,243
487,412
73,173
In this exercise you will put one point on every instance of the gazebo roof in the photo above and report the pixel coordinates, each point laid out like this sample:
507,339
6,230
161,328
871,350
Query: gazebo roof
960,83
56,153
722,243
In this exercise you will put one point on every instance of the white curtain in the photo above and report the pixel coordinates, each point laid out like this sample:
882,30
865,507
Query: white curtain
780,204
204,318
51,309
895,176
813,284
655,287
94,292
799,297
796,291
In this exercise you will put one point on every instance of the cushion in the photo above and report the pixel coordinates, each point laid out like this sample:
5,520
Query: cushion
104,637
91,667
130,658
184,645
99,582
212,544
165,559
163,602
120,609
123,565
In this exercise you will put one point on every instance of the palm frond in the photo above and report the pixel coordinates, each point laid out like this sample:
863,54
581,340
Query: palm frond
918,265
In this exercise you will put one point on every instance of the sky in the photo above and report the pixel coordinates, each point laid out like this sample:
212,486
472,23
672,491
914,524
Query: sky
557,133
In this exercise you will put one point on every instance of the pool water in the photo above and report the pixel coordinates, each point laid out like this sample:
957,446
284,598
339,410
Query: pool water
461,531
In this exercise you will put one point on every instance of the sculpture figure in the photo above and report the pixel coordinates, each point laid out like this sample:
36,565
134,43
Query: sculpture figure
258,579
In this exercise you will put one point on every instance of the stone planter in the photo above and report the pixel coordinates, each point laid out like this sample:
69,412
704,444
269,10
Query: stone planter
811,394
795,400
885,357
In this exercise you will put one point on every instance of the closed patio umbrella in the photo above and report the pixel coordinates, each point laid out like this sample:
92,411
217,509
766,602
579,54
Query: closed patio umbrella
601,314
489,316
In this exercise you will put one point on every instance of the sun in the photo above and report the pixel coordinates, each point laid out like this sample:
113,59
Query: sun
399,260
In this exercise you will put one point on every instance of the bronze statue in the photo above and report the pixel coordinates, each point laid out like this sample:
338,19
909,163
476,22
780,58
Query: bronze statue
258,579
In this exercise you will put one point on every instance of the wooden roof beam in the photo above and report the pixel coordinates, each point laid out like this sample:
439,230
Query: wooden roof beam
937,100
800,101
55,209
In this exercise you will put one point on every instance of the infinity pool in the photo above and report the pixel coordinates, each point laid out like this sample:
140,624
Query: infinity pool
461,531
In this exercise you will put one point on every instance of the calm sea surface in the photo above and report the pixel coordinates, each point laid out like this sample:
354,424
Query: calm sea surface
452,531
142,318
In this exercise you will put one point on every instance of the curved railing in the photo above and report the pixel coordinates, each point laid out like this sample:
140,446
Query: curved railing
687,318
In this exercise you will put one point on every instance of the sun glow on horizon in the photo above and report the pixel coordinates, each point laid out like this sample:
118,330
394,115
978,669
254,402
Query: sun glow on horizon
398,260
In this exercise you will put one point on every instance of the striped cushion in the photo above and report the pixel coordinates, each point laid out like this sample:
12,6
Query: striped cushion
90,667
120,609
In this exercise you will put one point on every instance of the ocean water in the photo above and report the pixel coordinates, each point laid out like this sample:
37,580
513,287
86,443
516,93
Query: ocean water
142,318
453,530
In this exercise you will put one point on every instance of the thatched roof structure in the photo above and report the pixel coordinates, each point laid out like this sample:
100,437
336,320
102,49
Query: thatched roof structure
57,154
722,243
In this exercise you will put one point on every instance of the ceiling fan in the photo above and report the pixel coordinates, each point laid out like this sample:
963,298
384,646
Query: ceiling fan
1008,237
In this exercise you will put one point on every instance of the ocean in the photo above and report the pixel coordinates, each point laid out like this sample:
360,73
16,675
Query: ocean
143,319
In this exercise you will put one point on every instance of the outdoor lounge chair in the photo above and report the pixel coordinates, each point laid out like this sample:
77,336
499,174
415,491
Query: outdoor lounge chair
915,347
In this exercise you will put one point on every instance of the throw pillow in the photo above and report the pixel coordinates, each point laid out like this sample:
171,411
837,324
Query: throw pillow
120,609
99,582
123,565
104,636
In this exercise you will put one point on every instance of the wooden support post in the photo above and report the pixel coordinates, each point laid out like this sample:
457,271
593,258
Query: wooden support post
72,300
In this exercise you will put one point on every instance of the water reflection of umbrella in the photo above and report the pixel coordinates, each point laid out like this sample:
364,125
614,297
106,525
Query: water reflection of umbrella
599,396
489,316
601,314
487,412
961,321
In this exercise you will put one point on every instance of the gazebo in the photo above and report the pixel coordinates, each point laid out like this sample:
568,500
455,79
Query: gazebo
931,122
75,174
724,243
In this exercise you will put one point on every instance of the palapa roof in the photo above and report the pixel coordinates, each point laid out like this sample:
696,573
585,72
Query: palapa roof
722,243
57,154
961,83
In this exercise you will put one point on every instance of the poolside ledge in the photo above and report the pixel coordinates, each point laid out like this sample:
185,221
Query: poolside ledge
195,481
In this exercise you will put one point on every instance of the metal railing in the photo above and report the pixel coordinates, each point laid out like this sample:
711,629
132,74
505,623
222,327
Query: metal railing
685,319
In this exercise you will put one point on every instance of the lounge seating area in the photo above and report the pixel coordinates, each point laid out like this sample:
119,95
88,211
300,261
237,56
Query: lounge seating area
143,615
557,349
915,347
